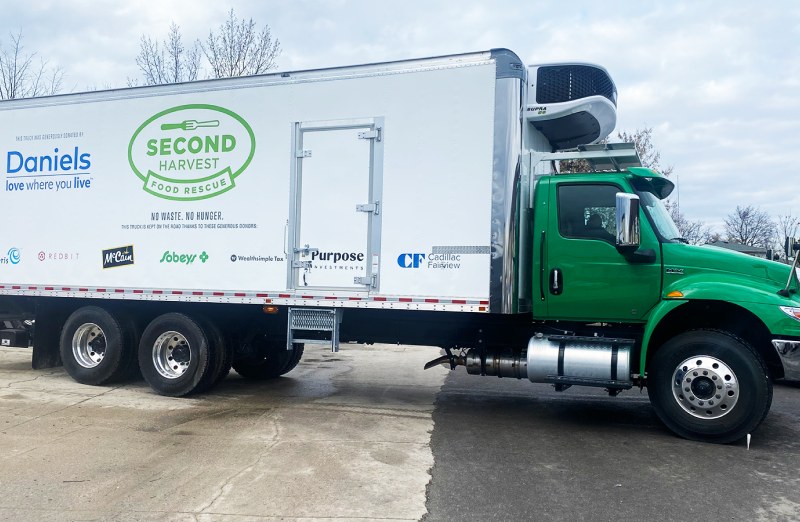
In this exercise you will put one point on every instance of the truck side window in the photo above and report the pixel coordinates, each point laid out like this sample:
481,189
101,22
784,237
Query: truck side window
587,211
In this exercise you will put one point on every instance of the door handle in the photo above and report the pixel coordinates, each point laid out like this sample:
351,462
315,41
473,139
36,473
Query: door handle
556,281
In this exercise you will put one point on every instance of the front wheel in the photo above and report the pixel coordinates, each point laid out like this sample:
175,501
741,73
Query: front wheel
709,385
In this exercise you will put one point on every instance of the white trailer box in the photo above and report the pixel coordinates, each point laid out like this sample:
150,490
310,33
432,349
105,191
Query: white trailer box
380,186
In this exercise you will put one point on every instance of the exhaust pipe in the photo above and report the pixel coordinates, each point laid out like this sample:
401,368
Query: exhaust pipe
558,359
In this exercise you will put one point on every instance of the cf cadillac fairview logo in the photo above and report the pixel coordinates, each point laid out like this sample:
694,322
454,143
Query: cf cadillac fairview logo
191,152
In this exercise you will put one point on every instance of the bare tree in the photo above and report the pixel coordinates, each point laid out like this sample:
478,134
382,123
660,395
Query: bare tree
695,232
22,76
786,227
750,226
168,61
239,49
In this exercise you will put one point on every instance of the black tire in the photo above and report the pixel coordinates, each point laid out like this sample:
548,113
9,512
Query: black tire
175,355
294,360
273,360
219,352
709,386
98,346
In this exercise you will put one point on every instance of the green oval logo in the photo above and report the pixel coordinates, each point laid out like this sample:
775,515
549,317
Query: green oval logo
191,152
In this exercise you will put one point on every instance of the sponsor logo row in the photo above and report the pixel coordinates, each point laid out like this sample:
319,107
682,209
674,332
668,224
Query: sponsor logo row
124,256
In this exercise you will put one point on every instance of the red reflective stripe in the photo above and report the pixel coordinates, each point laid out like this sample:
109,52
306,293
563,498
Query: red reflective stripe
354,298
119,291
138,291
459,301
285,296
431,300
379,299
262,295
158,291
219,293
197,293
98,290
177,292
405,300
49,288
240,294
483,302
83,289
16,288
31,288
306,297
330,297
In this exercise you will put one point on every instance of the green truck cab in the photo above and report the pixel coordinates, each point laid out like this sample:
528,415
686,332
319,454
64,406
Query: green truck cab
709,329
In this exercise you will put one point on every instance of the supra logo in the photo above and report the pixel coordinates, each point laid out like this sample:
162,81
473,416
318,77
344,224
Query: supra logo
119,256
183,259
191,152
410,260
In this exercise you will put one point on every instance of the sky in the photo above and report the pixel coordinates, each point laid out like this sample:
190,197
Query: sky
717,81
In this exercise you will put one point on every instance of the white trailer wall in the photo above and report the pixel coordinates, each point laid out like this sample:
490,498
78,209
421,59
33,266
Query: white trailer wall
60,221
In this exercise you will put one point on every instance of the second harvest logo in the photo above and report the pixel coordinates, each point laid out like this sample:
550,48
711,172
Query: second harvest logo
191,152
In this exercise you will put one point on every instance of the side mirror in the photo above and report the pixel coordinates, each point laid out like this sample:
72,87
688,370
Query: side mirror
628,229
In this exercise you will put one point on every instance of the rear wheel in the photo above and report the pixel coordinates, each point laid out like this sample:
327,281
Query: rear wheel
176,355
269,357
98,346
709,385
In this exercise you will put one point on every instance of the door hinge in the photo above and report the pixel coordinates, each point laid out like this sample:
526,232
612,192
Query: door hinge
374,134
370,281
303,154
369,207
306,250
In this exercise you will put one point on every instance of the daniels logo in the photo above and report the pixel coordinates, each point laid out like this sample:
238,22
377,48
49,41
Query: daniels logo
191,152
120,256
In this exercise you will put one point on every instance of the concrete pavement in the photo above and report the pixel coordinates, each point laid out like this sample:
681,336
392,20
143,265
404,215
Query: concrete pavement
343,436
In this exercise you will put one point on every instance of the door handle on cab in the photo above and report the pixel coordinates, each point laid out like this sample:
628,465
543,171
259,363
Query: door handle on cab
556,281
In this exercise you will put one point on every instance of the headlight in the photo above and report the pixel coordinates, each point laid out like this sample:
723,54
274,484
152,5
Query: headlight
791,311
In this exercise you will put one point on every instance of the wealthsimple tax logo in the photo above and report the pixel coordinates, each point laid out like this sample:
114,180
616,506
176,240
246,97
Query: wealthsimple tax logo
191,152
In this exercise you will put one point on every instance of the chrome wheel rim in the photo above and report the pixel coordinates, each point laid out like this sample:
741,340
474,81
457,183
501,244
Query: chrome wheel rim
89,345
705,387
172,355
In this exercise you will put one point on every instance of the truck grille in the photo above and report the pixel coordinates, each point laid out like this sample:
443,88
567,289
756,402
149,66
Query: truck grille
561,83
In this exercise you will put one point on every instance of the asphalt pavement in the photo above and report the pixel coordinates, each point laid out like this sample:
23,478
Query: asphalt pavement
513,450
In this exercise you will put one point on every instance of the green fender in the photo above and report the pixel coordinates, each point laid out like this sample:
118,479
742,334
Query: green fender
657,313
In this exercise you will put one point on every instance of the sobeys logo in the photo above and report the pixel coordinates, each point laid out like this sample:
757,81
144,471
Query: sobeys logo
183,259
191,152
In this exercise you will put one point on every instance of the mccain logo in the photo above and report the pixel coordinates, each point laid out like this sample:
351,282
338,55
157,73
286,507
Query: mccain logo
119,256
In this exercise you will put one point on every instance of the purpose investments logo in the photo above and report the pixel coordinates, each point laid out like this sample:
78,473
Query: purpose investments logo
191,152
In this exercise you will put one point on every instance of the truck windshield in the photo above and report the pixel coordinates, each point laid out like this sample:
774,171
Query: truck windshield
660,216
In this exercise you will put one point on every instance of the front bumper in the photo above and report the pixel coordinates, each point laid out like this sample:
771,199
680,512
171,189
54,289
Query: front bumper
789,352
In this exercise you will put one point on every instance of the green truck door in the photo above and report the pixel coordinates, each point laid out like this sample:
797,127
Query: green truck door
585,277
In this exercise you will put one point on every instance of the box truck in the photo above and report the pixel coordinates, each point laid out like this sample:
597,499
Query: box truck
179,230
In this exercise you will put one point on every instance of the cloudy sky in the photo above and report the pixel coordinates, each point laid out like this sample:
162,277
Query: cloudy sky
718,81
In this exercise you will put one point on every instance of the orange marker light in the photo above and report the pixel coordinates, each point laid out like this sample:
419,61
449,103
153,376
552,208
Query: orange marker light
270,309
675,294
